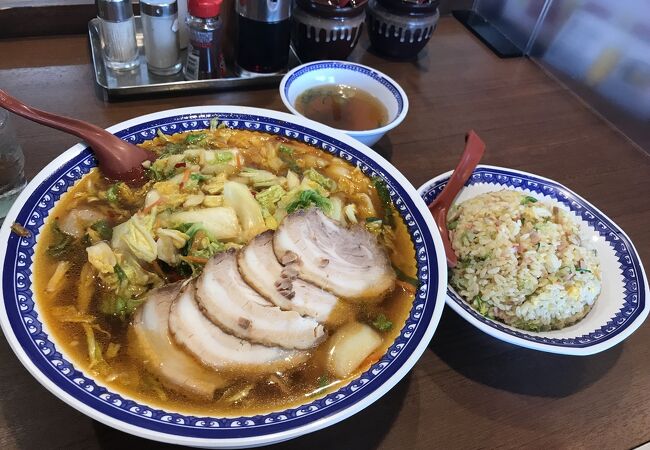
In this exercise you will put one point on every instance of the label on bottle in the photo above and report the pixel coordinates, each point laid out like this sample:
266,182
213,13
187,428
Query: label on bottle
192,66
202,39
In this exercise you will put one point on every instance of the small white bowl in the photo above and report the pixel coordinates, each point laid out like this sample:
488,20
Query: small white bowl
381,86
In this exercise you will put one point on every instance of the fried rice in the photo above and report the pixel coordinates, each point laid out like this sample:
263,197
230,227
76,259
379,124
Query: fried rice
522,261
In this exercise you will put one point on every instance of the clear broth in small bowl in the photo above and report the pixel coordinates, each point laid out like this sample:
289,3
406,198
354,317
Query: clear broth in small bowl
343,107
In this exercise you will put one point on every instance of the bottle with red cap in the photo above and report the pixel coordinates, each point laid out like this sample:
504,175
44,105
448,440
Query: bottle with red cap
204,57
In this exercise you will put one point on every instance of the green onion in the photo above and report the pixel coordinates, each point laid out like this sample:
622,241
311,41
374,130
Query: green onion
286,155
382,323
194,138
528,199
481,306
121,275
405,278
198,177
120,307
222,157
111,193
387,203
103,229
61,244
323,381
307,198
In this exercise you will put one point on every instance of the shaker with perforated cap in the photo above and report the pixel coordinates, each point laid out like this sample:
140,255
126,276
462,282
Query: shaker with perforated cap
117,33
161,40
263,35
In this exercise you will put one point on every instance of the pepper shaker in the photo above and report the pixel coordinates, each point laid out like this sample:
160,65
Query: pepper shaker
117,33
160,29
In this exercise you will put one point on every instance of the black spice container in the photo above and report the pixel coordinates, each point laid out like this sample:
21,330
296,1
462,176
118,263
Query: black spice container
263,34
401,28
326,29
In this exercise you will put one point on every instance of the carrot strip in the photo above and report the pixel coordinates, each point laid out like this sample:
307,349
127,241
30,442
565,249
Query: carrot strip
186,177
147,209
197,259
370,360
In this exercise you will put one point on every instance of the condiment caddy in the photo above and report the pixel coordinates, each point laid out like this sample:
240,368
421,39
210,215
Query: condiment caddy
141,81
178,43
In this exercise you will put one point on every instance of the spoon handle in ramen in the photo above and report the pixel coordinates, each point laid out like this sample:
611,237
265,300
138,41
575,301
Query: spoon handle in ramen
118,159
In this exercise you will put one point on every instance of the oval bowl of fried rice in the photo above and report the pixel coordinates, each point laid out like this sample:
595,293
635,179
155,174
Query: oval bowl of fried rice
539,266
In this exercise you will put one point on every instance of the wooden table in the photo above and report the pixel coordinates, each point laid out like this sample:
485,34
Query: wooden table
468,390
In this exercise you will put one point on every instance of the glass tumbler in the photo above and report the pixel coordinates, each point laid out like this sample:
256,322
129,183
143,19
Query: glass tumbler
12,165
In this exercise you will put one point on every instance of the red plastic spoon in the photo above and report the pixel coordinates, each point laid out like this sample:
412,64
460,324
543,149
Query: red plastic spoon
118,159
474,149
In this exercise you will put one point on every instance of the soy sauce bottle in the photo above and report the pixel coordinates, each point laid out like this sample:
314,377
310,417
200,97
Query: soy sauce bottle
263,35
204,56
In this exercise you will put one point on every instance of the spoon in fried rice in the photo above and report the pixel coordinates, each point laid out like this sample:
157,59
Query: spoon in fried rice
118,159
474,149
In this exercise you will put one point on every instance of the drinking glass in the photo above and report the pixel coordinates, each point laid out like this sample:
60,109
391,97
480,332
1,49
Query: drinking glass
12,165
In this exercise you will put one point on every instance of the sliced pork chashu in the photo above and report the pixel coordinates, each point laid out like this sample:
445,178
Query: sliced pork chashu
173,367
221,351
348,262
281,285
229,302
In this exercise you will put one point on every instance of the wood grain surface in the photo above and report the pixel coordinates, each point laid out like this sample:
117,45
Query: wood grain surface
468,390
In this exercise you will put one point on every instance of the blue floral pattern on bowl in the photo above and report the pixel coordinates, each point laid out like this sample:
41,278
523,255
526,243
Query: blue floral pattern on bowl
631,272
28,329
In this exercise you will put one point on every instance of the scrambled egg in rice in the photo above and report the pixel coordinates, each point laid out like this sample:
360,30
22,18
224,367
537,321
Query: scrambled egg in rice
522,261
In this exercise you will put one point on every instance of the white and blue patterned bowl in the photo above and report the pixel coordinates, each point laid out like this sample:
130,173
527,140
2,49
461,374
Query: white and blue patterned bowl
621,307
320,73
42,356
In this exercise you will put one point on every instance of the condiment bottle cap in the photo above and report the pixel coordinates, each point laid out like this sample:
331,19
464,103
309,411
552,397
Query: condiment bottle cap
204,8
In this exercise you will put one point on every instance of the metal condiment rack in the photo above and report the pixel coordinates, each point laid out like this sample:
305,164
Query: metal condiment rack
140,81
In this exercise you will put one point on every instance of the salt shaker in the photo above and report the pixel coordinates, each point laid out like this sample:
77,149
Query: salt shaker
117,31
160,30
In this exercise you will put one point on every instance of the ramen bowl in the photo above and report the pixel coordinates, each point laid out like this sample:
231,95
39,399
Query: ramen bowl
382,87
37,347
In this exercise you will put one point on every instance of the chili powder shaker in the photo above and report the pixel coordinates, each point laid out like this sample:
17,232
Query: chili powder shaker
263,35
117,32
204,57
